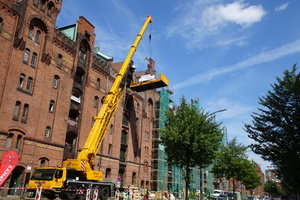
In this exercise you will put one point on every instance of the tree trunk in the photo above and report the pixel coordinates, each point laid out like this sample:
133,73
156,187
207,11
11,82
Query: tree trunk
233,188
187,182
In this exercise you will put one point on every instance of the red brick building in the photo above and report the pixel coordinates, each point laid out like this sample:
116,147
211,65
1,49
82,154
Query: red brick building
51,85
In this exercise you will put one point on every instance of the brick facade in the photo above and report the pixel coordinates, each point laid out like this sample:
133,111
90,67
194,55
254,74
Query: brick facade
51,86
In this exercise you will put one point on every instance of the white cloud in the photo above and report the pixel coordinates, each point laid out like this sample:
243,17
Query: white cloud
267,56
281,7
236,12
204,23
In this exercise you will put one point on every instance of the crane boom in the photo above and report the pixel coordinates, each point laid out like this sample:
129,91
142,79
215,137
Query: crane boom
106,113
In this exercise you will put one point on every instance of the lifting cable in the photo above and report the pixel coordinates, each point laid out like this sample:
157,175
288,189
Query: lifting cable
150,39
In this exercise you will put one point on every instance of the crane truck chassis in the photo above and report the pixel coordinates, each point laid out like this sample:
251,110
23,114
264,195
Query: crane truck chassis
71,179
68,184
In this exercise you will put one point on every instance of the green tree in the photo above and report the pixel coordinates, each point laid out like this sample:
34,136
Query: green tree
250,177
190,140
233,164
276,129
272,188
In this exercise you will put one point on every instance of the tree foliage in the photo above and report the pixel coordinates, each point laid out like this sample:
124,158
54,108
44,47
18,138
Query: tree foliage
276,129
232,163
272,189
189,138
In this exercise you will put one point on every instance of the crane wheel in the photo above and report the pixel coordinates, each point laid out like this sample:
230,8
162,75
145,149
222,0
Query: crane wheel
104,193
72,194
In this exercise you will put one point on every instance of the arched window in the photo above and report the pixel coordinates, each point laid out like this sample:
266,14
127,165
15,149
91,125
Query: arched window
111,130
26,55
43,2
96,102
17,111
18,143
44,162
50,8
55,82
48,132
51,106
59,57
25,113
1,23
30,32
21,80
110,146
107,173
9,141
29,84
146,167
38,36
133,179
33,60
98,84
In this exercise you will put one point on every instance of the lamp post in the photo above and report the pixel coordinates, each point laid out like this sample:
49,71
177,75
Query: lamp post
217,112
201,175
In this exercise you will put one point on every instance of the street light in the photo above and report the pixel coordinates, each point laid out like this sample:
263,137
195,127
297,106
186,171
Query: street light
201,175
216,112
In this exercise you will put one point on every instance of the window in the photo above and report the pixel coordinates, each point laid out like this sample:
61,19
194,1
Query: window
82,54
1,23
133,180
147,136
96,101
30,32
9,141
59,57
98,84
44,162
51,106
55,82
29,84
38,36
33,60
18,143
17,111
26,56
25,113
107,173
124,137
48,132
110,149
43,4
145,167
146,151
122,155
21,80
50,8
111,130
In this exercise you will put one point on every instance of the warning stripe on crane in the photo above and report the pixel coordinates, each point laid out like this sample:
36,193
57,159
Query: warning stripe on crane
83,164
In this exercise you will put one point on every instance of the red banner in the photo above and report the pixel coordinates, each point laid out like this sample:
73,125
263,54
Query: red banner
9,162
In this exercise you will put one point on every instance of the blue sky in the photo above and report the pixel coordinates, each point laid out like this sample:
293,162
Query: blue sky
224,52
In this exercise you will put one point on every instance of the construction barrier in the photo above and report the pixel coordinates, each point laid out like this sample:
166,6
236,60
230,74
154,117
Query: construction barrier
117,195
95,194
38,193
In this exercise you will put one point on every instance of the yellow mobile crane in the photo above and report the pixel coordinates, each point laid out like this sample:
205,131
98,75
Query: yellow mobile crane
78,173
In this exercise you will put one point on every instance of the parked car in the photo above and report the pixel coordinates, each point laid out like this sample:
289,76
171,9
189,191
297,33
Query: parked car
230,196
216,193
222,197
